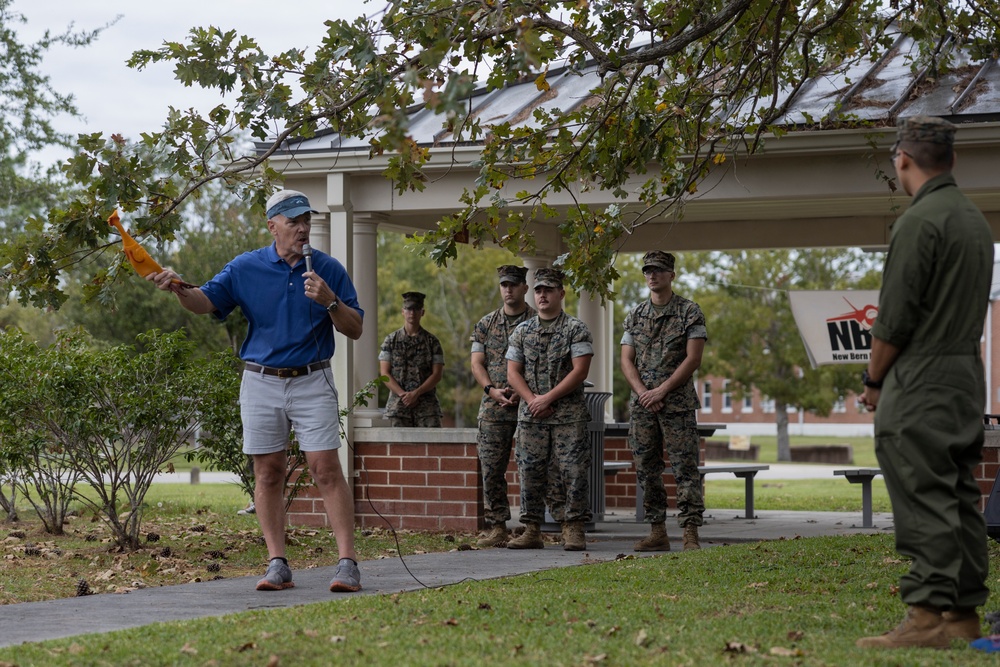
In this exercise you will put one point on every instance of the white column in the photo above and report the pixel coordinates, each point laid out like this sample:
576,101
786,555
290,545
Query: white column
599,318
534,263
340,244
366,348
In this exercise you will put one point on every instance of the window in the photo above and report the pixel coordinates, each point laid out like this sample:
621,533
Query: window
840,405
727,397
706,397
767,404
748,403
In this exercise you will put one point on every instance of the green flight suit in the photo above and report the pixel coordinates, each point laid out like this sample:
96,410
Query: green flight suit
928,425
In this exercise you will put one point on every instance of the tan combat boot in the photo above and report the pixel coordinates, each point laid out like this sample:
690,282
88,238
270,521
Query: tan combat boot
531,538
691,537
495,537
962,623
657,540
573,537
923,627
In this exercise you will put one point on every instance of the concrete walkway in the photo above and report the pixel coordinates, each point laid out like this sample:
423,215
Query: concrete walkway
39,621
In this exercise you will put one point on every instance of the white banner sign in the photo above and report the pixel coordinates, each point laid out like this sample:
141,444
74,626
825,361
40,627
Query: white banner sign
835,326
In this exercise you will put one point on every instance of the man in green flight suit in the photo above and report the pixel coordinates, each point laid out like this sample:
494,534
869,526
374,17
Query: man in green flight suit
925,378
413,360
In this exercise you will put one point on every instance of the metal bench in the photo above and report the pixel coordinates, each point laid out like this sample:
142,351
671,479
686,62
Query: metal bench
612,467
864,477
746,471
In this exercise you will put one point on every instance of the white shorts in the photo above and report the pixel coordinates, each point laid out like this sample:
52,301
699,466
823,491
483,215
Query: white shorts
271,407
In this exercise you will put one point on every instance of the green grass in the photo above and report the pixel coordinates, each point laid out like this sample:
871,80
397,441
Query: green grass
819,495
796,602
863,448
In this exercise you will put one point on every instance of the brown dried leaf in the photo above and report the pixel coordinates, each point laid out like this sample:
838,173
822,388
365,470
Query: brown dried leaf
189,650
642,638
739,647
783,652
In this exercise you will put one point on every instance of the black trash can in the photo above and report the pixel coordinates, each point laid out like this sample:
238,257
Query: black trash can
595,432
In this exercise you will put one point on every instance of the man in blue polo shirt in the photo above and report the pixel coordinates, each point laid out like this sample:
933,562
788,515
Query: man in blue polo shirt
287,380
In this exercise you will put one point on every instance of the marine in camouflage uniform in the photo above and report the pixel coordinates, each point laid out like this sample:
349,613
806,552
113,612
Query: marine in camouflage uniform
925,377
548,360
661,349
413,360
498,410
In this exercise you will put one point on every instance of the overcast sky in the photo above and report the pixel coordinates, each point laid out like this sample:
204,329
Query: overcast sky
114,98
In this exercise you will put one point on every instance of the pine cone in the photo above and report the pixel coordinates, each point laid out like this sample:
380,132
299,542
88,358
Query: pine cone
83,588
32,550
214,567
153,537
166,552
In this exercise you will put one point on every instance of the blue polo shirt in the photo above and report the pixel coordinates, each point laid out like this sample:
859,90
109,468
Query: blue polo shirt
287,328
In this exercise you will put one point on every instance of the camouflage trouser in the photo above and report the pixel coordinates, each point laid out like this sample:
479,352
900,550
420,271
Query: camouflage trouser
538,447
493,445
677,433
409,421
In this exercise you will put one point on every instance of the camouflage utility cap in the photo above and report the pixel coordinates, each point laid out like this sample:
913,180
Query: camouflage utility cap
508,273
549,278
413,300
927,129
659,260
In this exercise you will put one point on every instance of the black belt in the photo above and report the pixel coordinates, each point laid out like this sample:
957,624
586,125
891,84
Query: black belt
287,372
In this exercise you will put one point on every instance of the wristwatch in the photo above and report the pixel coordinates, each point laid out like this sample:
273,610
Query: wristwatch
867,381
332,308
487,388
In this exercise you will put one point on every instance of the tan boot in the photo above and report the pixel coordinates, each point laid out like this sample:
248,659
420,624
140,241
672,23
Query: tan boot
495,537
531,538
657,540
573,537
923,627
691,537
962,623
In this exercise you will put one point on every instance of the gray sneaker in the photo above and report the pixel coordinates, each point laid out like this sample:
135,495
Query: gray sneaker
278,577
249,509
347,578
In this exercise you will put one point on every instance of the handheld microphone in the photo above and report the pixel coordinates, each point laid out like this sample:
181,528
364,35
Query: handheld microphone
307,252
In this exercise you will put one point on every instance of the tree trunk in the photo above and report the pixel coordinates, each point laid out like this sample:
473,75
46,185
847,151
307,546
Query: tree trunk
781,420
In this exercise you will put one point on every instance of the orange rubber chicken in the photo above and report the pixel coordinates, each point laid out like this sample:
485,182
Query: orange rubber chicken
137,255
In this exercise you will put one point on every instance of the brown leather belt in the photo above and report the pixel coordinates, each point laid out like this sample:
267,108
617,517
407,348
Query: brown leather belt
287,372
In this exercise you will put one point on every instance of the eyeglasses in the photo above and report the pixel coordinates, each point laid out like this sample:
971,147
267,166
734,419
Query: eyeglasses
896,153
653,270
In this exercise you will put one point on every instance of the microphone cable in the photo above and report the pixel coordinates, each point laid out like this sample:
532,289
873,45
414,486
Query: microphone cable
354,453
